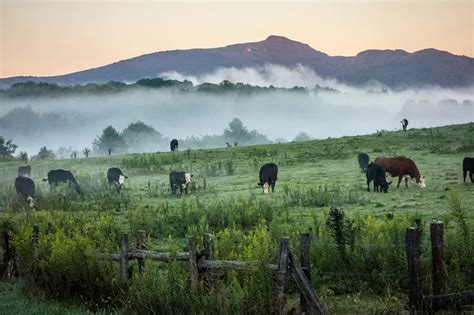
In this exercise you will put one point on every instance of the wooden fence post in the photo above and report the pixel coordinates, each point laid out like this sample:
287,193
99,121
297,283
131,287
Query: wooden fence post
141,240
305,247
193,264
438,266
412,247
124,257
209,255
281,277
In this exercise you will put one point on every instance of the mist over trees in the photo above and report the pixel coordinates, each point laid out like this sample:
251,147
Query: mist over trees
7,148
110,139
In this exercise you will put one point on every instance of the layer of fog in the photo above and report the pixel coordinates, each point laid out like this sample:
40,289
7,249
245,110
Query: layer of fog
276,114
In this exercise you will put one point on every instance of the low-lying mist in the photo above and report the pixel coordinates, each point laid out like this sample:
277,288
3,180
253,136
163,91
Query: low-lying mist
279,114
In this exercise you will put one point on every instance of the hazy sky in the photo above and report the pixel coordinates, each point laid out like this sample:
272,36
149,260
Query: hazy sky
41,37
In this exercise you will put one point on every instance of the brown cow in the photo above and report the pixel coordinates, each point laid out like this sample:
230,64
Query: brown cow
401,167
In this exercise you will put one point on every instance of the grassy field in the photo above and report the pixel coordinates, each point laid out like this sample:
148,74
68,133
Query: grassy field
225,200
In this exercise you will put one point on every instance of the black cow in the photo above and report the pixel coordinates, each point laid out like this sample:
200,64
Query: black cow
363,159
61,176
174,145
376,173
25,186
468,166
181,180
268,177
115,176
404,124
24,170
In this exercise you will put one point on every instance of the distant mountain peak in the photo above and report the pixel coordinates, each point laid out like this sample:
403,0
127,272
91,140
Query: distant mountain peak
393,68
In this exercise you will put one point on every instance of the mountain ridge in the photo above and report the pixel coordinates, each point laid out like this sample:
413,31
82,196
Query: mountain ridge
394,68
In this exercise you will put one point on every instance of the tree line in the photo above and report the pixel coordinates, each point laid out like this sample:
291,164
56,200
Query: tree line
140,137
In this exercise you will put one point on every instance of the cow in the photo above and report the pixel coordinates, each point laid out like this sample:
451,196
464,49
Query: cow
404,122
376,173
363,159
115,176
24,170
61,176
402,167
268,177
181,180
25,186
174,145
468,166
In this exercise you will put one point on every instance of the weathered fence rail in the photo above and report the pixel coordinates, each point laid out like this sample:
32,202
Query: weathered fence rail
204,267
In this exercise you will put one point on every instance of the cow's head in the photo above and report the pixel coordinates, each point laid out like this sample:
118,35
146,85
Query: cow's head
30,200
421,182
385,187
266,188
121,180
187,180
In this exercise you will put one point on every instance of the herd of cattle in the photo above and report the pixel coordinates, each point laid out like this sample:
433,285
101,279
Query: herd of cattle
375,172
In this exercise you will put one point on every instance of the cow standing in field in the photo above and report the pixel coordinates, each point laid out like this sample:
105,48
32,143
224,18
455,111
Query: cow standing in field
25,186
363,159
468,166
404,124
402,167
61,176
24,170
376,173
268,177
181,180
174,145
115,176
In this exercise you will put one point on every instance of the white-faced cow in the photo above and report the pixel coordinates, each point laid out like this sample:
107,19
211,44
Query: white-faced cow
268,177
25,186
363,159
468,166
24,170
402,167
116,177
61,176
181,180
376,173
174,145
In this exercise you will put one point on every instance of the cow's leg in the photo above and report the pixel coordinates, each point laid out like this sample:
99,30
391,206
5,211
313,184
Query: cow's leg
406,182
464,173
273,187
399,180
368,185
470,175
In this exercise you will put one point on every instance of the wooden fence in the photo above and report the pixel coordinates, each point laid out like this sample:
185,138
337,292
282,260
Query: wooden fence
203,263
203,267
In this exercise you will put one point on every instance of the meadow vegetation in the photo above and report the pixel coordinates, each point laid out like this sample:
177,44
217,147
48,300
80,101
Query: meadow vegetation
358,254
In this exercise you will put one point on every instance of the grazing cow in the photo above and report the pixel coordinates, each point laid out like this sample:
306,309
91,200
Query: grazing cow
24,170
363,159
174,145
404,124
61,176
25,186
268,177
402,167
376,173
228,145
115,176
181,180
468,166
